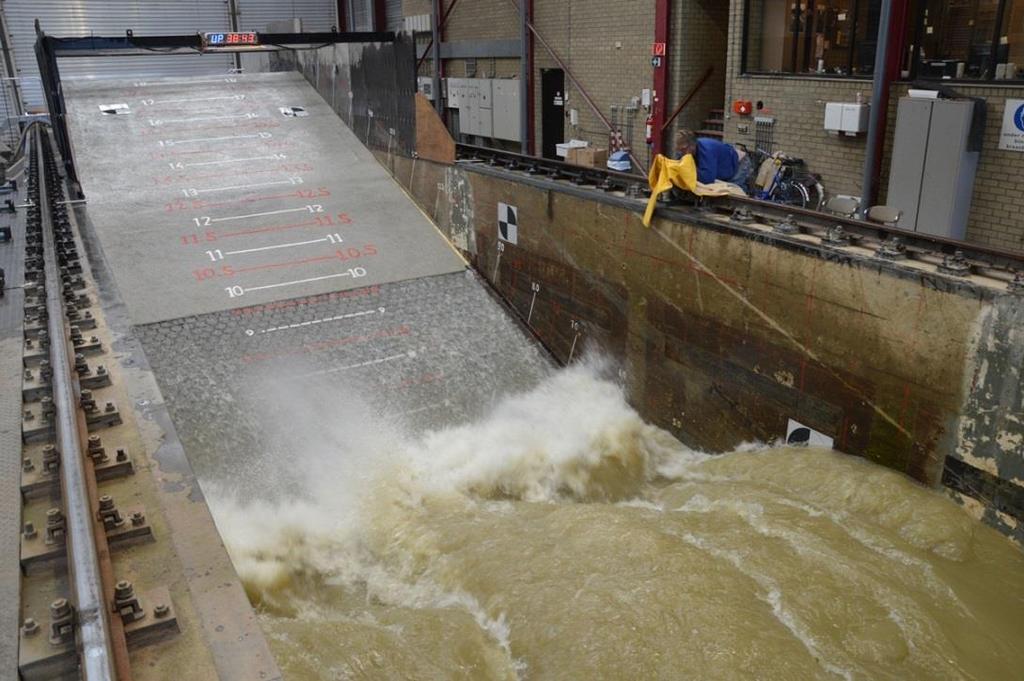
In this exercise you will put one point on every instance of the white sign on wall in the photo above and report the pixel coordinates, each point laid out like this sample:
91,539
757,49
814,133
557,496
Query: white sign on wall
1011,137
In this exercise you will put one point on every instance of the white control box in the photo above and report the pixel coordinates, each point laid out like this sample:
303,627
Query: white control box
847,119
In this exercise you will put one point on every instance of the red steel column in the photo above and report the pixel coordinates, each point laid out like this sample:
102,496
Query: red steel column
662,17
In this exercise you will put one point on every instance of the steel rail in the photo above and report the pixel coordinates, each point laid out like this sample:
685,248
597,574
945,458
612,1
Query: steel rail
92,620
918,243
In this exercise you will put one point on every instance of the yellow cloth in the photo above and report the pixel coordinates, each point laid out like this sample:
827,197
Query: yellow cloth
666,173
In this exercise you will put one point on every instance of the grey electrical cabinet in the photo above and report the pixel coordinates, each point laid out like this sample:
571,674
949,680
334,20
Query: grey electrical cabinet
931,178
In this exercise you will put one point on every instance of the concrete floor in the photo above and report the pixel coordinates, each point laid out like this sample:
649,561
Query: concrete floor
206,197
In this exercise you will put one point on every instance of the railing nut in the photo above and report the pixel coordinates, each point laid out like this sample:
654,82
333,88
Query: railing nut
29,627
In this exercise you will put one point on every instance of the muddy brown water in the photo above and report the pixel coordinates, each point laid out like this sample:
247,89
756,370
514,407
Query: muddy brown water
563,538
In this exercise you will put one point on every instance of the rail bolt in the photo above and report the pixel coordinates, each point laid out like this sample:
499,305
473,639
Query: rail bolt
161,610
54,526
138,518
29,627
51,459
29,531
61,626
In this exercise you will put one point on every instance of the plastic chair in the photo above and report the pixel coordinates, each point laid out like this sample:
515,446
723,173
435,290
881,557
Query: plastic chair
884,215
842,205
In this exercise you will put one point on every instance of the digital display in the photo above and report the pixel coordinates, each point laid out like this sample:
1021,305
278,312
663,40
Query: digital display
231,39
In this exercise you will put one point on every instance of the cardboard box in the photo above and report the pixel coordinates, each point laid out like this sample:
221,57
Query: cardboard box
591,157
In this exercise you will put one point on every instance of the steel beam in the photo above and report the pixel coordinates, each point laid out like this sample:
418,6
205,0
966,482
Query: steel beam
481,49
435,54
524,77
879,104
662,34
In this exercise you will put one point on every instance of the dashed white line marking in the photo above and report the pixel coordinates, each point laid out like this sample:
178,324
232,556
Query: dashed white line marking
382,360
259,215
323,320
270,248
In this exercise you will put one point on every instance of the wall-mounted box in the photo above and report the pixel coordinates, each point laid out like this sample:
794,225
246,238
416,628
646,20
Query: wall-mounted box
425,86
506,109
934,162
848,119
487,107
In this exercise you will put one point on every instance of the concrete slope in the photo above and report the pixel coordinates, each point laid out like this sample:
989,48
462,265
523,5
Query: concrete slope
213,193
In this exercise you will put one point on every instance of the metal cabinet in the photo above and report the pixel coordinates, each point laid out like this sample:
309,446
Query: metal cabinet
931,178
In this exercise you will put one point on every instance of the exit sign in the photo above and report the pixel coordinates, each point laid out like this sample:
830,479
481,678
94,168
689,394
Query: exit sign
658,49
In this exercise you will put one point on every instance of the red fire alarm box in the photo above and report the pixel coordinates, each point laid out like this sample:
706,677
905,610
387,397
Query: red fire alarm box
742,108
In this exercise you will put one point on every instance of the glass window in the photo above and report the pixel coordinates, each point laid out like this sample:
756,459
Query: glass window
1010,50
825,37
956,38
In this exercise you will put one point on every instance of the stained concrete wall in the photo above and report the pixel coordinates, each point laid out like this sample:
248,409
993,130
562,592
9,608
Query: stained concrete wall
725,333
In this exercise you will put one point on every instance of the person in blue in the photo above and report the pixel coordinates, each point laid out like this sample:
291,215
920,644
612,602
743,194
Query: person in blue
715,160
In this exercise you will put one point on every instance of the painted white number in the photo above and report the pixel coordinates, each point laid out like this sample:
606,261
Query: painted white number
190,192
155,123
265,135
177,165
202,222
234,291
315,208
334,238
357,272
295,180
147,102
215,255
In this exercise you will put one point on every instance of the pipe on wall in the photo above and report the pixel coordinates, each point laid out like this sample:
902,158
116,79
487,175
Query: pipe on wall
524,78
435,53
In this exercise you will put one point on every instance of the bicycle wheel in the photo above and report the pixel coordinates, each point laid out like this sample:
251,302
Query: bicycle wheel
791,193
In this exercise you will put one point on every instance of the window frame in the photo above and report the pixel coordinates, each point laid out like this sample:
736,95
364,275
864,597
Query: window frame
915,62
745,47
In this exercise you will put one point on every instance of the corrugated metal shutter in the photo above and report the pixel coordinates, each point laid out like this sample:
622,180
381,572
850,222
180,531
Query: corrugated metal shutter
394,14
316,15
69,18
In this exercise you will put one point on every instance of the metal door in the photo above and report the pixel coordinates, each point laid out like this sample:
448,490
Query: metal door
552,111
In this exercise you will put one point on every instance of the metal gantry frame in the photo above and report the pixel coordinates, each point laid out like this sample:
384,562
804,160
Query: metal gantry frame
50,49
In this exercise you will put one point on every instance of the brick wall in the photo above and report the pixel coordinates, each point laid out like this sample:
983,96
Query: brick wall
699,34
798,106
607,46
995,217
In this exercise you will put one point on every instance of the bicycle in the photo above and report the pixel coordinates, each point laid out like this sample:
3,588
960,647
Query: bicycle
791,183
